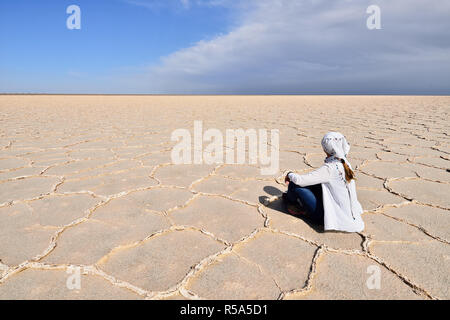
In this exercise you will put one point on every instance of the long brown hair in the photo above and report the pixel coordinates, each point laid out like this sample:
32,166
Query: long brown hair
349,174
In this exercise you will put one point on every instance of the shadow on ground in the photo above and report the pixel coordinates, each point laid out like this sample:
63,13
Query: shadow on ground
279,205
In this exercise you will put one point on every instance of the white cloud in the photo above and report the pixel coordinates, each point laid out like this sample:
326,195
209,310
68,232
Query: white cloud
186,3
315,46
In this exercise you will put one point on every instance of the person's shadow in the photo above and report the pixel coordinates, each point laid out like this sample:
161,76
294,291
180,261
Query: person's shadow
275,202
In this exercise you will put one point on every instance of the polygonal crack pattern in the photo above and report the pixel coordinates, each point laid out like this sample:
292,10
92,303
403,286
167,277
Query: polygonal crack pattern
87,182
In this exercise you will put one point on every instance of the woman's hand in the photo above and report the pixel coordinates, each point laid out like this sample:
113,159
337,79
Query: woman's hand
286,179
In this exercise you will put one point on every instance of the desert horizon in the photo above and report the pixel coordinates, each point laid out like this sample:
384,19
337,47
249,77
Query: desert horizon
88,182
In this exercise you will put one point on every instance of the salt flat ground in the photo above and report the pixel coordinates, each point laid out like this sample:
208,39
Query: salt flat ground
87,181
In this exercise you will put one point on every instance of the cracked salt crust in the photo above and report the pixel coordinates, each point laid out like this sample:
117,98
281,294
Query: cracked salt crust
119,159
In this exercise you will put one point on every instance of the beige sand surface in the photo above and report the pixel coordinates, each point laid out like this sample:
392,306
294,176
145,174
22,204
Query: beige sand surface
87,181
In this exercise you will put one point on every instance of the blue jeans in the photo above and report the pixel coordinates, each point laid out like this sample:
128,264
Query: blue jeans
309,198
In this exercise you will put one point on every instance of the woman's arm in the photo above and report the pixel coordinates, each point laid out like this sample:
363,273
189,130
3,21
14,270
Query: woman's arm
321,175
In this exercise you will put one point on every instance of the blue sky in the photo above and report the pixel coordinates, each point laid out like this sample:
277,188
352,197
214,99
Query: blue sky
225,46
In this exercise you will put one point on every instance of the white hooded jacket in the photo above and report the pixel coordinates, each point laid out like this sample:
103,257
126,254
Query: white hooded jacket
342,211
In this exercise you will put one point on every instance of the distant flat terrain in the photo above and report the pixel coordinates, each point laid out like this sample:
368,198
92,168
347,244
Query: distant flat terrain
87,184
